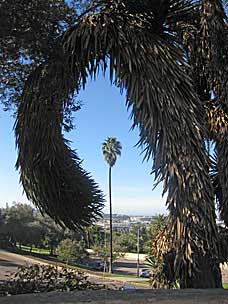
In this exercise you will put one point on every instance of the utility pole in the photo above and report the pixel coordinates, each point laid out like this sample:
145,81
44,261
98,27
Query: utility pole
138,249
110,223
105,255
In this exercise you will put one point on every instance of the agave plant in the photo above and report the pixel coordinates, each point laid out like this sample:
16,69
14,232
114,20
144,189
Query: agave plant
170,56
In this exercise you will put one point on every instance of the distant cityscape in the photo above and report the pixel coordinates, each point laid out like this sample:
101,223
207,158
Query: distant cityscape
124,222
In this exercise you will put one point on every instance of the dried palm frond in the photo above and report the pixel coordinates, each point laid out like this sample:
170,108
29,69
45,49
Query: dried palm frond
204,41
223,242
216,180
222,166
217,121
209,59
144,58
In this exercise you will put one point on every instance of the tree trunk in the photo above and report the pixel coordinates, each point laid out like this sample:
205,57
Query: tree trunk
110,205
88,238
207,274
51,250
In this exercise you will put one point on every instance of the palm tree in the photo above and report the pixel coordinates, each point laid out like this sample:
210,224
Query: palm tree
171,58
110,149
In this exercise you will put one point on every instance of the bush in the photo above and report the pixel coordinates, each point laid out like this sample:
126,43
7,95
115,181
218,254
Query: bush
71,251
43,278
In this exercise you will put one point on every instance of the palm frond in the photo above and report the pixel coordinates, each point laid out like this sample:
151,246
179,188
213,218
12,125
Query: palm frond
204,45
217,125
214,174
222,166
110,149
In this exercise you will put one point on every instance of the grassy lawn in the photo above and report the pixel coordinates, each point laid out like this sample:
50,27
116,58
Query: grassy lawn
109,275
145,282
225,285
35,250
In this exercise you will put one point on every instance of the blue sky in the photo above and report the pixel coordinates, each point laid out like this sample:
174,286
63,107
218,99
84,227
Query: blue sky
103,115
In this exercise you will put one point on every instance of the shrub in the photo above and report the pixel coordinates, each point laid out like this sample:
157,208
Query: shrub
43,278
71,251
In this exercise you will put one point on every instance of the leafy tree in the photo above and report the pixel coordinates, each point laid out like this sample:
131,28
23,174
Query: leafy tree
53,233
111,148
101,248
29,33
129,239
17,219
93,235
24,225
33,235
71,251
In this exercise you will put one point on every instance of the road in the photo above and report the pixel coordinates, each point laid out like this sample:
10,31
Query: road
10,261
126,264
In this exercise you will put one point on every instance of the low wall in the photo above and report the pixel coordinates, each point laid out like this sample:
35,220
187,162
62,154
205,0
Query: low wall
218,296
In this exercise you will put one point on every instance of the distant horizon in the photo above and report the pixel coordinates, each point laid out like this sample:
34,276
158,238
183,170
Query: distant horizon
144,215
118,213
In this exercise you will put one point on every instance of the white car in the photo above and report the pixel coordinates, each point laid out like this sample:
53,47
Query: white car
127,288
145,273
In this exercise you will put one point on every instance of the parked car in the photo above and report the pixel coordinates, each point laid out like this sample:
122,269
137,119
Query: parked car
100,266
127,288
145,273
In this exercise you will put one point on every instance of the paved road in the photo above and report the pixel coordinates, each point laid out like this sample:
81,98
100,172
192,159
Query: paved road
10,261
127,264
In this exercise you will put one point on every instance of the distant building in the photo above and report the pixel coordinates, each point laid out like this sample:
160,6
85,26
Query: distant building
124,222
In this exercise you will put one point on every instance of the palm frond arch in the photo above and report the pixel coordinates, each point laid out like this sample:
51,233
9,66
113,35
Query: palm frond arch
145,59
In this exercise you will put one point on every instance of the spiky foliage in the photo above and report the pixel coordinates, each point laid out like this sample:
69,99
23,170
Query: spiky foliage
222,177
111,148
208,56
146,59
51,174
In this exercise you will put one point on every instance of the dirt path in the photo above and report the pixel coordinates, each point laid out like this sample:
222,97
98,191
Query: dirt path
118,297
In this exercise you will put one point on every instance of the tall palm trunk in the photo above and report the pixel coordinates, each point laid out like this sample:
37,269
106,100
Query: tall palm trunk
110,214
